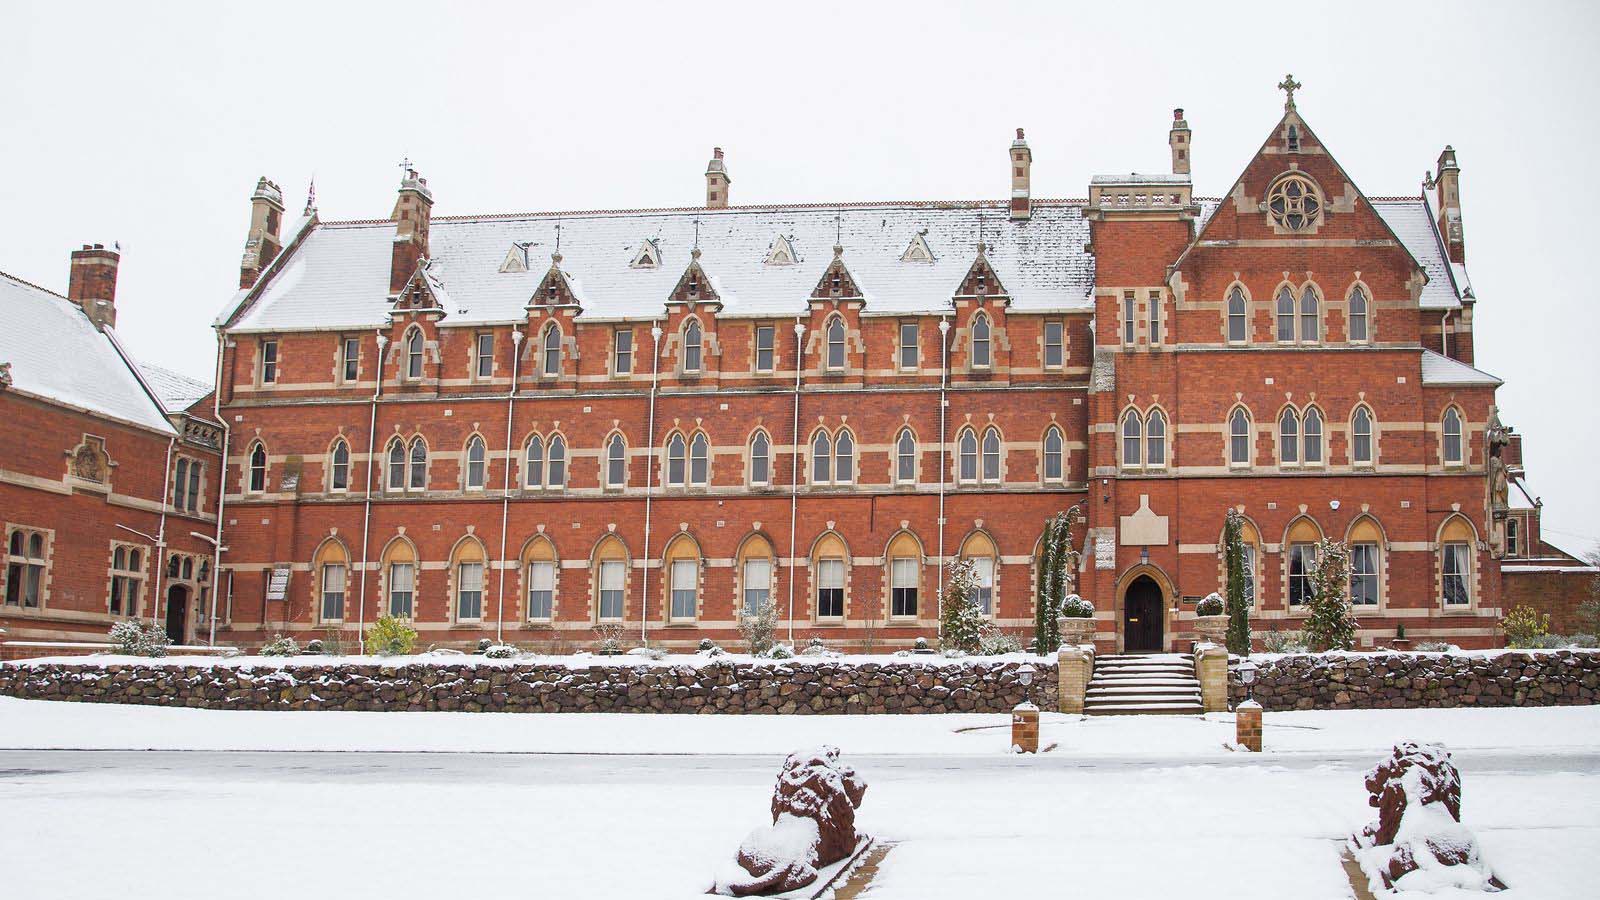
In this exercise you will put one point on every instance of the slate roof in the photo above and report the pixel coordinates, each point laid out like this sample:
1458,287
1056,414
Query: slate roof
56,353
1437,369
177,392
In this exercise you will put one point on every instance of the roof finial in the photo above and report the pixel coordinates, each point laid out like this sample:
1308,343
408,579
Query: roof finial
1288,85
311,195
408,167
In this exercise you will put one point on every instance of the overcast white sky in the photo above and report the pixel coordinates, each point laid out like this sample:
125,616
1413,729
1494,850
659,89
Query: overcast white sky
149,124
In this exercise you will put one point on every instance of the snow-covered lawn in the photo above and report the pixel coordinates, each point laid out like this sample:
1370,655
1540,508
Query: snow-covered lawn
1125,807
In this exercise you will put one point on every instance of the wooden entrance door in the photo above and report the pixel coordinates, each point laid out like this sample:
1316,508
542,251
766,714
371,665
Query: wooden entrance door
177,613
1141,616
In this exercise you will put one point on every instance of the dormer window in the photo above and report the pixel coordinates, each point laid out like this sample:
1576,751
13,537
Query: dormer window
781,253
516,259
918,251
1294,204
648,256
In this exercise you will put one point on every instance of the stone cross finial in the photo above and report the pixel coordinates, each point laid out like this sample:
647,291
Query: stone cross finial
1288,85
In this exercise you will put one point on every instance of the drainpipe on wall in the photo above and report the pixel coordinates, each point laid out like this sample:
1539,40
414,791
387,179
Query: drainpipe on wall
222,493
505,493
649,482
366,511
944,465
794,466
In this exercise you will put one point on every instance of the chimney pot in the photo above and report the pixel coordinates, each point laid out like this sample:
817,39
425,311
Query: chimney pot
1177,113
716,152
1019,134
92,283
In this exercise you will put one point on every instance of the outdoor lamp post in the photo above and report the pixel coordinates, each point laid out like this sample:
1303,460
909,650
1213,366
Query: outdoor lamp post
1247,677
1247,715
1025,716
1025,675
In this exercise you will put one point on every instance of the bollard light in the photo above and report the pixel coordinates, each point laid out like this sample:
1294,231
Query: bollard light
1025,675
1247,677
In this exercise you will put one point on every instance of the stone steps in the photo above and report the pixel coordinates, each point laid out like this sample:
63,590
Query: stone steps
1143,684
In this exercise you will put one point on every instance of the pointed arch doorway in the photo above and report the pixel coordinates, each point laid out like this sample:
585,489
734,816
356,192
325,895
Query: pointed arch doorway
1143,618
177,614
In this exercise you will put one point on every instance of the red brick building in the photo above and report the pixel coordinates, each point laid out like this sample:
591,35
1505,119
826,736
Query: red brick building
111,471
526,426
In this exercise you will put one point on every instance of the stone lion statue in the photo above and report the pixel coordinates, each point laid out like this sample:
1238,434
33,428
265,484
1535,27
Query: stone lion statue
813,825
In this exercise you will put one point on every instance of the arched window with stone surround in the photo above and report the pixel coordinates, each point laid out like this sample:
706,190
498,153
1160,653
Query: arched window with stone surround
1238,320
821,458
557,477
1361,444
981,354
1293,202
468,563
258,468
1239,442
1132,439
693,347
419,464
339,466
905,466
1300,552
1289,437
1360,322
1312,437
1054,455
477,464
760,459
1457,537
1366,563
967,454
681,563
979,548
397,465
676,455
836,346
609,574
830,568
844,457
332,566
905,563
699,460
1285,306
1310,327
755,573
539,570
399,575
1155,440
1451,443
533,463
992,455
414,347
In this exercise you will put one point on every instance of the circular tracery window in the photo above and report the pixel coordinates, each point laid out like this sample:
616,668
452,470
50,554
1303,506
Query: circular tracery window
1294,203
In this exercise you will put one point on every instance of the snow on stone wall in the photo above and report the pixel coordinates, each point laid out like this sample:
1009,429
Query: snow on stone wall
1416,680
788,687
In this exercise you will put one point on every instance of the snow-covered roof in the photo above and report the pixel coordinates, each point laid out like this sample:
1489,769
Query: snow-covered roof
57,354
1412,221
338,277
1437,369
176,391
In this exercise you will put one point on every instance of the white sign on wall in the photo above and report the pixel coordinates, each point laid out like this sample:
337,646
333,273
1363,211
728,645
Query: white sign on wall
278,583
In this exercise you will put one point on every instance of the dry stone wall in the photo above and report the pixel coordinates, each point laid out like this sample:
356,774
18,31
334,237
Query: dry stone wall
790,687
1418,680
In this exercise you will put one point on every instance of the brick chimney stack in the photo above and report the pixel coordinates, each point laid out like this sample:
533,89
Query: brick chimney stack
1178,139
717,181
413,210
261,245
1021,178
1447,185
92,283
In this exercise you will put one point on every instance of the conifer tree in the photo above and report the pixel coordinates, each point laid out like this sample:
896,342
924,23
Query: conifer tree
1331,625
1055,550
962,622
1238,639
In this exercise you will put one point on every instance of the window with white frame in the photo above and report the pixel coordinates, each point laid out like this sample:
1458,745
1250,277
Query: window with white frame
967,453
1285,306
685,588
339,466
1129,317
844,458
485,355
269,361
905,452
1132,439
1312,438
908,356
1451,434
757,585
402,589
676,459
1359,325
992,454
414,343
616,462
1238,319
981,355
1155,440
1055,351
1054,455
1155,318
477,464
835,349
1302,560
1310,327
1239,438
397,465
1364,574
418,467
533,463
622,352
28,559
699,460
760,460
983,584
1289,438
552,351
830,588
469,591
693,347
258,468
1361,437
613,574
1457,569
766,343
127,580
541,589
350,359
904,579
333,577
821,458
1513,536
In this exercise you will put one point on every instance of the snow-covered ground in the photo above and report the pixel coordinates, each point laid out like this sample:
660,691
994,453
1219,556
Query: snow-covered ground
647,806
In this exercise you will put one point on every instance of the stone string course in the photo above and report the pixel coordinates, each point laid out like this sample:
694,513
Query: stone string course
790,687
1418,680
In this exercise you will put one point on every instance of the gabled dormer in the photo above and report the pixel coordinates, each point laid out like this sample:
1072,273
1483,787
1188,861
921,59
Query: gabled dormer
420,294
835,341
516,260
781,253
981,282
556,288
980,347
648,256
836,283
918,250
694,286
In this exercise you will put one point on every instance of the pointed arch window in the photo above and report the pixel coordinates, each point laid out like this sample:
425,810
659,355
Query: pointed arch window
419,465
1239,438
1289,438
821,458
1310,328
1312,436
1053,470
552,351
980,342
533,464
400,566
258,468
1361,437
331,568
844,458
469,581
905,451
339,467
414,353
836,335
558,462
1359,325
967,445
397,465
1155,440
477,464
1132,438
675,460
760,459
616,462
693,346
991,456
1453,455
1285,315
1238,321
699,460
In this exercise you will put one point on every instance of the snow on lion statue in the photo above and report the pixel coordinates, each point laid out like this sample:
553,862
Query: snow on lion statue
813,825
1418,842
